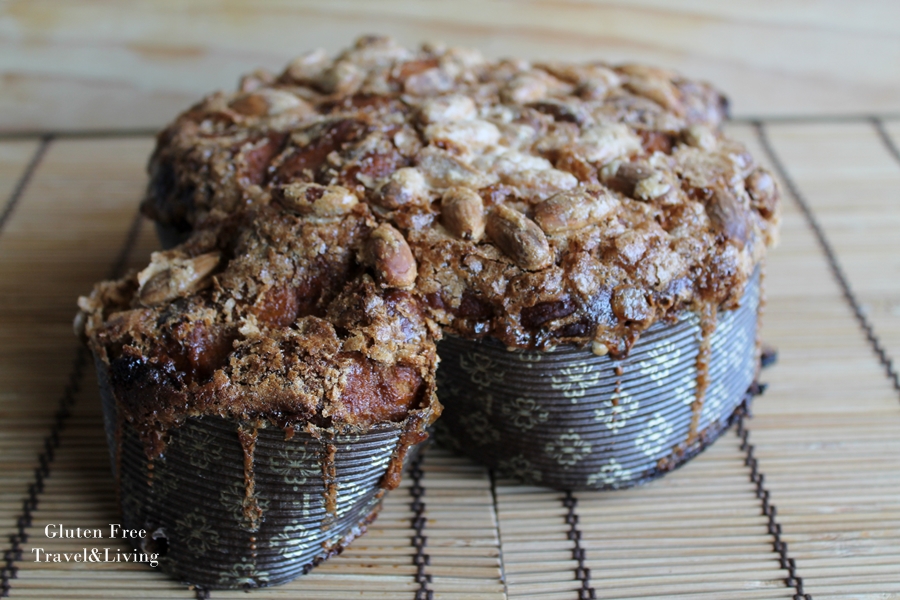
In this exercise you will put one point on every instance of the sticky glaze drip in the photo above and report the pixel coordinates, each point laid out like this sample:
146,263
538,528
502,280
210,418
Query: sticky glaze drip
157,383
252,511
414,433
617,393
704,354
150,467
329,481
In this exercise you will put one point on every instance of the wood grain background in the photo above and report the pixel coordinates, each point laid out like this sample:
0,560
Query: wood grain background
102,64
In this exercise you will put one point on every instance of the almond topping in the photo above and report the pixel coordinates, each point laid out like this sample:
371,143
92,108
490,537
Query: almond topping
389,253
167,278
574,209
462,213
519,238
316,200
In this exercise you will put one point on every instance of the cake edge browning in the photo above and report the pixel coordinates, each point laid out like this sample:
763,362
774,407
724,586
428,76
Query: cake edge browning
633,205
344,213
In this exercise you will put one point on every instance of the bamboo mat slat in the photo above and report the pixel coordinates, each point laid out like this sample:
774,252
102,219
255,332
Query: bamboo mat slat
15,157
825,441
844,162
81,491
690,519
823,436
63,234
638,545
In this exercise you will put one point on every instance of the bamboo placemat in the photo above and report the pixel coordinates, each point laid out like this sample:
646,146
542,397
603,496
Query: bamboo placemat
801,501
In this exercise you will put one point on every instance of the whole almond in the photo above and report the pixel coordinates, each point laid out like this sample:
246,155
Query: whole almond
462,213
655,84
389,253
167,279
632,173
316,200
255,80
574,209
728,215
405,186
650,188
701,136
763,191
266,102
637,180
519,238
343,77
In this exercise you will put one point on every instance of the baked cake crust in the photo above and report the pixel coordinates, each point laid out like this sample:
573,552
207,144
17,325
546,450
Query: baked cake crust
347,211
265,315
632,205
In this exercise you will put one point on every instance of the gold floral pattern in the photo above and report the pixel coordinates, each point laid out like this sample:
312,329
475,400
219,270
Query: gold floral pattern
202,449
480,429
447,386
165,482
567,449
659,362
530,358
611,475
232,498
349,494
295,463
245,574
196,534
380,461
615,412
575,380
483,371
293,541
524,413
655,437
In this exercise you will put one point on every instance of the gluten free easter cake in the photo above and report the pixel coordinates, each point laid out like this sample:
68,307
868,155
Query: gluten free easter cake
579,243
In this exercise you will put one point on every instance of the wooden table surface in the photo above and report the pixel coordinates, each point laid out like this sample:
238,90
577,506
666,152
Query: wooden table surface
98,64
803,502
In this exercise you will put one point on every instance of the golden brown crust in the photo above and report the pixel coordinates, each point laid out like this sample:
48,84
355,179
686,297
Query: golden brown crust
285,326
619,176
540,204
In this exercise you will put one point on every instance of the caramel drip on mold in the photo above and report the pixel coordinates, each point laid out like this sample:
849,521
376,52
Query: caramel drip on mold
413,433
252,511
708,319
329,482
617,393
150,467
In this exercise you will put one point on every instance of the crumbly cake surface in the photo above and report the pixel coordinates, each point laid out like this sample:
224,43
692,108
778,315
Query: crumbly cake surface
347,211
265,315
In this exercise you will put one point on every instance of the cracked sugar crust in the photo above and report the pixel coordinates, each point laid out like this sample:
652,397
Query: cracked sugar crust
537,203
632,204
378,107
265,315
